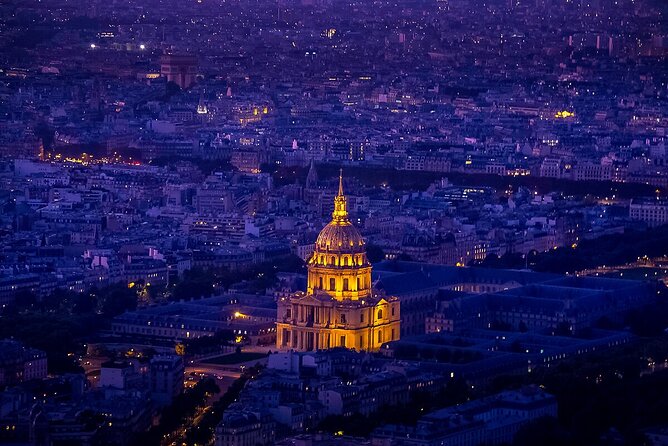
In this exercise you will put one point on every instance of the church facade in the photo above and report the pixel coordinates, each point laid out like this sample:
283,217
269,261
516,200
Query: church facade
340,307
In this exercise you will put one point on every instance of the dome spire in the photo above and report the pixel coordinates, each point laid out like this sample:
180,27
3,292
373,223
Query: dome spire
340,214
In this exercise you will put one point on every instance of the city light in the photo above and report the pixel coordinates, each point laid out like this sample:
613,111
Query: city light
319,222
564,114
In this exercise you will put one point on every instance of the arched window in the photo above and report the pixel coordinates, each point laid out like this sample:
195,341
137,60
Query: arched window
334,261
348,262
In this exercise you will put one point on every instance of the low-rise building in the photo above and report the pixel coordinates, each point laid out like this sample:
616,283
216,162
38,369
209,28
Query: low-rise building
19,363
493,420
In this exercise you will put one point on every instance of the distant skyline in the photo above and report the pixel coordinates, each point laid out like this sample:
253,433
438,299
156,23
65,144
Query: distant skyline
318,222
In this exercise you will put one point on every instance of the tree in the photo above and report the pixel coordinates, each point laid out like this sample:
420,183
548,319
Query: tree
196,283
116,299
171,89
375,253
544,431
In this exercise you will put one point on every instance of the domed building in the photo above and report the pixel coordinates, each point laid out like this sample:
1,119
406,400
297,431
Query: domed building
340,308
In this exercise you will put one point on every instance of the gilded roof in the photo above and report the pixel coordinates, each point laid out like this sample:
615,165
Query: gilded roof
340,236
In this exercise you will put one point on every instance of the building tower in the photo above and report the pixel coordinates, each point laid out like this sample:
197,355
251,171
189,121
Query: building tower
312,177
340,308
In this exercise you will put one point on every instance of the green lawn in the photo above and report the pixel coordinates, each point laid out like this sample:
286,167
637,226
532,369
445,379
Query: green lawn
236,358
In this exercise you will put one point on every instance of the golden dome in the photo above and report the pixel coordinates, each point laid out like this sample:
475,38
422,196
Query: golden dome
339,266
340,236
340,239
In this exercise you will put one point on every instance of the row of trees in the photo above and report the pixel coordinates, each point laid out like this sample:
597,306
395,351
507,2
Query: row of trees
179,413
203,433
414,180
106,302
204,283
615,249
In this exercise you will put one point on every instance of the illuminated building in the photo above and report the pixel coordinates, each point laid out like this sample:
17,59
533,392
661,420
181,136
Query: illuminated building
340,308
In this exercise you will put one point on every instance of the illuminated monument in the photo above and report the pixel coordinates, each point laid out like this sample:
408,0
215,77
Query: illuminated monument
339,308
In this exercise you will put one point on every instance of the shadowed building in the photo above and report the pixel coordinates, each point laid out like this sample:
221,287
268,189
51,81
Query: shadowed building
180,69
340,308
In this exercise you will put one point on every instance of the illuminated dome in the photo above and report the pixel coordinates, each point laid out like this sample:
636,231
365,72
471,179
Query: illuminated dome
339,265
340,307
340,239
340,236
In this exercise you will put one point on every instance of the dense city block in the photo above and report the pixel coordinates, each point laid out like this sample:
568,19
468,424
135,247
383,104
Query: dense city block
333,222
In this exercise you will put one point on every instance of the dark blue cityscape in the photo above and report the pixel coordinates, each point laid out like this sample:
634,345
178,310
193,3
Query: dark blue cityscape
334,222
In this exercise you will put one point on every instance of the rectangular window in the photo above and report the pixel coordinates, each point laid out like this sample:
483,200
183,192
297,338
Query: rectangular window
332,284
343,341
345,284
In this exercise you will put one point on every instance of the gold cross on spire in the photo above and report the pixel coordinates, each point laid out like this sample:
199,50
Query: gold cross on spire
340,214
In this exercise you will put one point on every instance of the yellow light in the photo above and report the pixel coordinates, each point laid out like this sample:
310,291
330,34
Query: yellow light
564,114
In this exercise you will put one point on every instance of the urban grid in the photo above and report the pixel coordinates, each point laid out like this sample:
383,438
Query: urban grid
334,222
